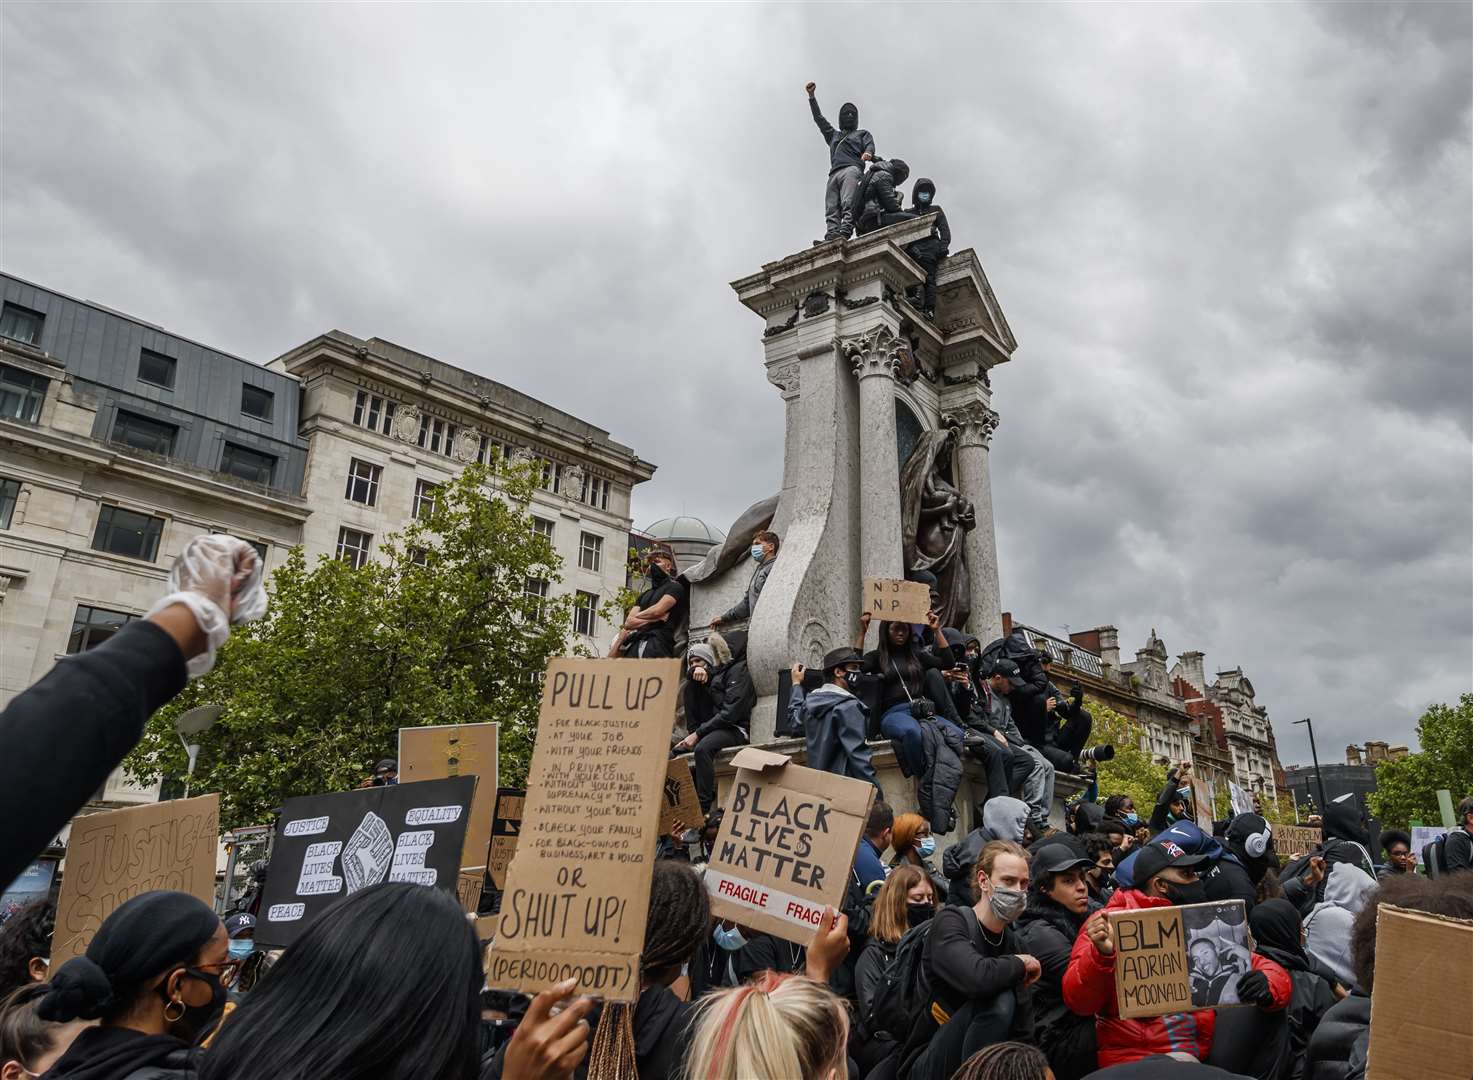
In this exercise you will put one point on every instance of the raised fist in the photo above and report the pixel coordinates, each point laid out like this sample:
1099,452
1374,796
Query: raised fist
811,87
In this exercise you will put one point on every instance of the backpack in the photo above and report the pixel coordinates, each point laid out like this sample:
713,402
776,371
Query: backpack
904,995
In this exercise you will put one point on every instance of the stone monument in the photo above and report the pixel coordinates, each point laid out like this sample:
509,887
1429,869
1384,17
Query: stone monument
870,388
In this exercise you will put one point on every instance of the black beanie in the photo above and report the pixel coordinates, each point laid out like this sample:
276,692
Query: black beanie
145,937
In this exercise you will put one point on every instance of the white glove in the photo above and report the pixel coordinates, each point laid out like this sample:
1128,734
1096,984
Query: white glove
218,578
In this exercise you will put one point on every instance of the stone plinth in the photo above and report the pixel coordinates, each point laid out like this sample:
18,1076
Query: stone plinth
860,371
900,790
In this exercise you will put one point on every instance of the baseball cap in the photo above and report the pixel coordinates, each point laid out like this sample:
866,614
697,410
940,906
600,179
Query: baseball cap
1055,859
1007,669
388,764
239,922
1155,857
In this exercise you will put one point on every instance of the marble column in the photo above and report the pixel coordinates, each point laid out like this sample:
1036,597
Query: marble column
787,377
974,424
875,358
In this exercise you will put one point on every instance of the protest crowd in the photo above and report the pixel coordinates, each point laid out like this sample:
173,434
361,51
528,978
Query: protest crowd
996,961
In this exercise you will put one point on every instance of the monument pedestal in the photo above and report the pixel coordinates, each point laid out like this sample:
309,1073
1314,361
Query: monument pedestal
863,375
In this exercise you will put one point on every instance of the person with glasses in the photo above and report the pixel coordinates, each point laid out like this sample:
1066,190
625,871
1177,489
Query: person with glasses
154,976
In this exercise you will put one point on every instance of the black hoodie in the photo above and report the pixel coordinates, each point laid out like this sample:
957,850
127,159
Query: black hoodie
119,1053
942,231
847,144
1047,931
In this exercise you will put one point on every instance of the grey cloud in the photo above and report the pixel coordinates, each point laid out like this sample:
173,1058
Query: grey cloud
1233,241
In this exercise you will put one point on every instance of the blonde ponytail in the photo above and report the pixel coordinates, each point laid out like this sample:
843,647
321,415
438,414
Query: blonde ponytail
780,1027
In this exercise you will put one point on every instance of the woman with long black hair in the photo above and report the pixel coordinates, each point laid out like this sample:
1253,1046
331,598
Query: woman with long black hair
153,975
906,667
385,984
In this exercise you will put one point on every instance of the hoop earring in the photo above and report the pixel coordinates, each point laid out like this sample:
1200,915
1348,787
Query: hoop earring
176,1001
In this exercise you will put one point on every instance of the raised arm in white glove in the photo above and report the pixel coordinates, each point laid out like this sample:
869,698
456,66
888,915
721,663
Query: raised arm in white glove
217,578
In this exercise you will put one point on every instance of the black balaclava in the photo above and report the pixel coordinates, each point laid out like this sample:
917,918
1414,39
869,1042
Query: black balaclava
899,170
1276,925
1343,821
848,116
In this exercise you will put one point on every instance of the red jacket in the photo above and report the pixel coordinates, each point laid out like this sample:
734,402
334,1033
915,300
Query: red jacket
1089,988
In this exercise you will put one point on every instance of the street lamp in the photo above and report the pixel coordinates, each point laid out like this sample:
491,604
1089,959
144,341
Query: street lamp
194,722
1315,757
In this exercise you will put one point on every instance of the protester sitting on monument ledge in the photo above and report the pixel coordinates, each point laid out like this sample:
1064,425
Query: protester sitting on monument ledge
1001,679
834,722
902,664
877,203
764,554
718,706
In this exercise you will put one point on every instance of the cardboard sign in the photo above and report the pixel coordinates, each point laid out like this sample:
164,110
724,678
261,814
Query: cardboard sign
578,889
506,826
1421,1023
1242,800
682,807
432,753
786,844
113,856
327,847
1177,959
1202,808
896,600
1291,840
468,889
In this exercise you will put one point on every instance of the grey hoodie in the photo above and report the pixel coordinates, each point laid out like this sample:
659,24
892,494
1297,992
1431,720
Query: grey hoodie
1327,930
1003,818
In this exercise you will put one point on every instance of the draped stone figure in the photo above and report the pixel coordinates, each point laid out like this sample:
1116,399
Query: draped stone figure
935,519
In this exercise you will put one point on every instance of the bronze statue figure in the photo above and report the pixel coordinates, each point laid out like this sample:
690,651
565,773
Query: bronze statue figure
934,521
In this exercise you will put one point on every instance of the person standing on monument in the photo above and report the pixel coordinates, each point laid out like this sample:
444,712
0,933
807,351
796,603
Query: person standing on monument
764,553
849,148
650,627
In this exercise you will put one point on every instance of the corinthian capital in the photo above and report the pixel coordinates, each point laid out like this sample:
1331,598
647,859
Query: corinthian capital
878,352
973,423
785,377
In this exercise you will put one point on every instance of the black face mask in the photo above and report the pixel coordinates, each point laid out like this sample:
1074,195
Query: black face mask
1195,893
197,1020
916,914
848,118
658,575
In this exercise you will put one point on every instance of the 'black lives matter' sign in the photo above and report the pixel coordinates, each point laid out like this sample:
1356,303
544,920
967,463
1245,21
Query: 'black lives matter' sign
328,847
786,844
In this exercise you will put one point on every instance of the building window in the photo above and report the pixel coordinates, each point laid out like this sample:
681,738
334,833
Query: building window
21,394
353,547
543,527
91,626
156,368
257,402
363,480
585,614
596,492
537,589
420,556
247,464
434,436
21,324
424,498
374,413
260,550
141,433
482,451
590,552
550,475
9,494
127,532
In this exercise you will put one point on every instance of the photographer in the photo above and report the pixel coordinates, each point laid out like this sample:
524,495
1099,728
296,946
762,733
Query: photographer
385,774
1065,725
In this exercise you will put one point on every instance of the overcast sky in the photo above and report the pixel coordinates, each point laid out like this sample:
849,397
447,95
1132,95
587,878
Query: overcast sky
1233,242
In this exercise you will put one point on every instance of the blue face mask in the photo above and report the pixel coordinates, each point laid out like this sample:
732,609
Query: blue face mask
924,197
1131,819
730,940
926,847
758,552
240,948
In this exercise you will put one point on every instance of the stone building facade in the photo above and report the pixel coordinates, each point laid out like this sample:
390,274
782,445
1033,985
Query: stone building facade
118,443
1220,727
386,425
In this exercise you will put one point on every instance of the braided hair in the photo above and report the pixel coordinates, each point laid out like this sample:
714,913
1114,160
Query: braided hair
1004,1061
679,915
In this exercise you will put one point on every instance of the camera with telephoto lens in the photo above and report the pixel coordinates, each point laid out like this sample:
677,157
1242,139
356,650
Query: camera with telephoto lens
1103,752
922,709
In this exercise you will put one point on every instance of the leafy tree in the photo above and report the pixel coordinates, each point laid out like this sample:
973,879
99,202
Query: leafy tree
440,629
1131,771
1406,789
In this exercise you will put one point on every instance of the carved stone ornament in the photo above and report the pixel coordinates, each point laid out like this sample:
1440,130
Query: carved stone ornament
524,455
406,424
878,352
467,445
973,423
815,303
785,377
854,305
783,327
573,481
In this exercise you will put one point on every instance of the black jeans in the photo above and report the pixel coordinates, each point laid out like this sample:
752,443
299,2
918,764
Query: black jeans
704,765
975,1025
928,253
1067,740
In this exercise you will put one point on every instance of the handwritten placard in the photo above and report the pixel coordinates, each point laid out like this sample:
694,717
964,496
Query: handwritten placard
1202,805
682,807
1177,959
1291,840
328,847
506,826
115,855
897,600
786,844
1420,1024
578,888
441,750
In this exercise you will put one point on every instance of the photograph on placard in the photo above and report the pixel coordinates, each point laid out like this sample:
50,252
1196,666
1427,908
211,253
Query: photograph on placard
1217,951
